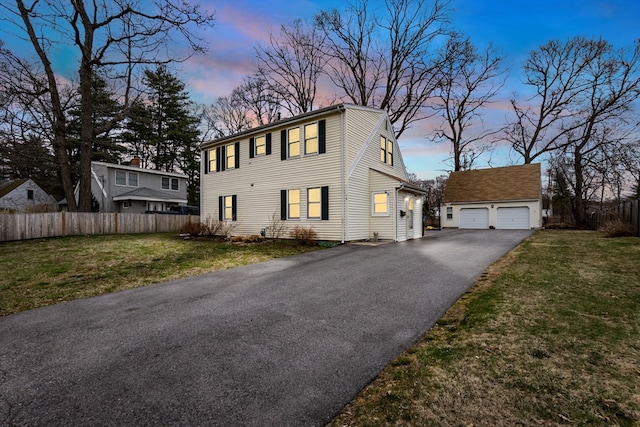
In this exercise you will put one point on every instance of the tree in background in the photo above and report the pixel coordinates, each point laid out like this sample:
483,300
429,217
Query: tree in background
109,36
292,65
467,82
386,61
583,108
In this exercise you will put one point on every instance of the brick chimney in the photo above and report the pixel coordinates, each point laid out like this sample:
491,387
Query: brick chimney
135,162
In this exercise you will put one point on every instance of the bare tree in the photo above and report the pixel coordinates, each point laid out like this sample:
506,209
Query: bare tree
292,65
467,81
385,61
260,99
108,35
556,73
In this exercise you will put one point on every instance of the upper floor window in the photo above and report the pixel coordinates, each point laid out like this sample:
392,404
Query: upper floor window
212,160
169,183
311,139
307,139
261,145
293,139
386,151
230,156
380,204
124,178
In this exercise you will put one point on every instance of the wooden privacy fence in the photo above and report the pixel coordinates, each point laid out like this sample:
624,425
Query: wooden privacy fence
56,224
627,211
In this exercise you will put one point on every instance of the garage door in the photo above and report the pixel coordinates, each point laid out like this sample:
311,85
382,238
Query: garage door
474,218
513,218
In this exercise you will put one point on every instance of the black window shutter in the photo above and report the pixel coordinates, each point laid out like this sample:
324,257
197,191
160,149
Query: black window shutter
283,205
220,152
206,161
237,155
234,208
322,138
324,201
252,141
268,144
283,145
220,208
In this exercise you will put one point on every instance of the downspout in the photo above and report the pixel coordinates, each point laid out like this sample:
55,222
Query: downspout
395,215
343,172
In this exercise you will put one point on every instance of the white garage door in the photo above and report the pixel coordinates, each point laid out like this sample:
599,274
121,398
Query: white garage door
513,218
474,218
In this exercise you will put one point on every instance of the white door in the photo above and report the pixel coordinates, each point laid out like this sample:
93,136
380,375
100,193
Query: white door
474,218
513,218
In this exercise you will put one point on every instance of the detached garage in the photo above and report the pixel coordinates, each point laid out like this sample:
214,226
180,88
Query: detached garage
507,198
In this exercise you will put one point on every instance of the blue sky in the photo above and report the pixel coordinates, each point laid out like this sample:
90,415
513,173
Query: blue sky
515,27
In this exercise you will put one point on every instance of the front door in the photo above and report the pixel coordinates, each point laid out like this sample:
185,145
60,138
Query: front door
410,204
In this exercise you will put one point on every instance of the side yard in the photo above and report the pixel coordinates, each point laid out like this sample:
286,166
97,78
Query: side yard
47,271
549,335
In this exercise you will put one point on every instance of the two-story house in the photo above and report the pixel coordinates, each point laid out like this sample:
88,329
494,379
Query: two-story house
337,169
132,189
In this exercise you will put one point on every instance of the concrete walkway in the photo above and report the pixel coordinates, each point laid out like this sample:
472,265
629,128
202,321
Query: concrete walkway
282,343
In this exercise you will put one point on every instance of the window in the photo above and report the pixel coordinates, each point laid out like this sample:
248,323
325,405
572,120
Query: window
261,146
293,138
126,204
231,156
311,139
169,183
380,204
449,212
212,160
29,194
386,151
227,208
124,178
121,178
314,203
293,204
410,213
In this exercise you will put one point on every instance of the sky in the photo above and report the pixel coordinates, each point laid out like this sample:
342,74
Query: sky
514,27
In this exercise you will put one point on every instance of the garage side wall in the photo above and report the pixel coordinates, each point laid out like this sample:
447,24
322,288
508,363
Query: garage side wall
534,206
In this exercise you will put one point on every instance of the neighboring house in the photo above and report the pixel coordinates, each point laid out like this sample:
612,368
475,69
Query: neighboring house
131,189
337,169
23,195
503,198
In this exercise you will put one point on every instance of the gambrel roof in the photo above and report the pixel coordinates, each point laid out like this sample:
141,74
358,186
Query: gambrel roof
509,183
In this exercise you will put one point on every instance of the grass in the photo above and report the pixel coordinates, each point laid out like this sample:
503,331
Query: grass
43,272
549,335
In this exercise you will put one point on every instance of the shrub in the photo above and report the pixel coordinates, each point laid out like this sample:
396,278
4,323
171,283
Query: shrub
237,239
191,228
254,238
211,226
276,226
304,235
617,228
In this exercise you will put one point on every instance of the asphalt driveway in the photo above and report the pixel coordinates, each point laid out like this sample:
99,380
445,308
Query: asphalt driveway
282,343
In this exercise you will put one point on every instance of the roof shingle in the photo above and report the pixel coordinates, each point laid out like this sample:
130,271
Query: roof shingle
507,183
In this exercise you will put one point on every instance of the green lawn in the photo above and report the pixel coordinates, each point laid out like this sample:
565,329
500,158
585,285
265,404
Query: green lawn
550,335
47,271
